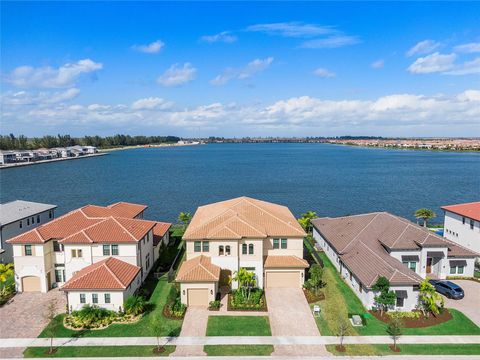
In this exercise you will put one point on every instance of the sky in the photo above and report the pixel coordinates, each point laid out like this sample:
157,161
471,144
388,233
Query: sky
196,69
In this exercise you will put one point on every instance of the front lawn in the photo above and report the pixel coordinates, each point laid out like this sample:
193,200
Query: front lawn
96,351
238,350
340,300
408,349
143,327
238,326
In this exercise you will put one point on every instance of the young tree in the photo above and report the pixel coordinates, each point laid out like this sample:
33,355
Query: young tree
385,296
53,325
425,215
342,329
394,329
185,218
158,329
305,220
246,281
429,300
316,277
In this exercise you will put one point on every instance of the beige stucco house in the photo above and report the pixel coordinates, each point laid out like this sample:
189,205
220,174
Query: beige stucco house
223,237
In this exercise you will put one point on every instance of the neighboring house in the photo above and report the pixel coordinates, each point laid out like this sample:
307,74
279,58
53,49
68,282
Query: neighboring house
161,238
223,237
462,224
17,217
367,246
7,157
62,252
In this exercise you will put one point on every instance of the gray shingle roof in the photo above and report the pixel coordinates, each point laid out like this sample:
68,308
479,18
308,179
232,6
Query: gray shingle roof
19,209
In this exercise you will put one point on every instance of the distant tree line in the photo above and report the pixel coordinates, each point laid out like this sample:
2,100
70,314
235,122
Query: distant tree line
12,142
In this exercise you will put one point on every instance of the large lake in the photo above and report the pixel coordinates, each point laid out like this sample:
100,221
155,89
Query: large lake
333,180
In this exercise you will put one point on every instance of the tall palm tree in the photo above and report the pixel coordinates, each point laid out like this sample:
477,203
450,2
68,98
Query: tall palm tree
185,218
425,215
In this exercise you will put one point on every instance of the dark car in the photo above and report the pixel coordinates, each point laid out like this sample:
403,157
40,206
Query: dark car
448,288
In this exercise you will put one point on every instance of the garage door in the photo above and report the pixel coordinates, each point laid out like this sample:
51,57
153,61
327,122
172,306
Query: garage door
197,297
31,283
283,279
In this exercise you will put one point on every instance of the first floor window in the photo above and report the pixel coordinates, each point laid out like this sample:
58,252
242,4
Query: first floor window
82,299
95,298
459,269
197,246
244,249
107,298
28,250
284,243
205,246
58,276
114,249
400,301
453,269
276,243
106,250
220,250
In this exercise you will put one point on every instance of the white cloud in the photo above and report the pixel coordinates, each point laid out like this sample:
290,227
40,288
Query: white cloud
152,103
323,73
41,98
419,114
151,48
473,47
48,77
377,64
467,68
253,67
224,36
423,47
292,29
334,41
177,75
432,63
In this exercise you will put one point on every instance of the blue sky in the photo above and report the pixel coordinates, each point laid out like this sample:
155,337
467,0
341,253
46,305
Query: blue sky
241,69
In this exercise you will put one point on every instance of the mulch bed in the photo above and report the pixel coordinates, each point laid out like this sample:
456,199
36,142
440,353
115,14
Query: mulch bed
159,350
416,323
340,348
397,349
311,297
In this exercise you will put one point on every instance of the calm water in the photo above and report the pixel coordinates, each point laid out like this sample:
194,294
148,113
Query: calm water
332,180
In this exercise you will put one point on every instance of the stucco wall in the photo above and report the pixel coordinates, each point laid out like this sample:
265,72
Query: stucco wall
294,247
466,237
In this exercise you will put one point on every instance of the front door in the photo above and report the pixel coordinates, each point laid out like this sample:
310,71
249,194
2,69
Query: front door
429,265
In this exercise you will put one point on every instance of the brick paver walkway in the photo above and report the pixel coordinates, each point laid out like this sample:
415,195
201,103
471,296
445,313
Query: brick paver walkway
194,324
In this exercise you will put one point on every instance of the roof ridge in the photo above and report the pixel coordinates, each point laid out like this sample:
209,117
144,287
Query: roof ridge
98,264
240,218
83,230
123,227
111,272
358,234
399,236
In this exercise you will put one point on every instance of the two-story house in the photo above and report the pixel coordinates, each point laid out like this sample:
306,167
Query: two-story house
366,246
97,255
223,237
17,217
462,224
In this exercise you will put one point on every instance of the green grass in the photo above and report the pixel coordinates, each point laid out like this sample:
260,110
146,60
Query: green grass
476,274
94,351
143,327
238,326
341,300
238,350
409,349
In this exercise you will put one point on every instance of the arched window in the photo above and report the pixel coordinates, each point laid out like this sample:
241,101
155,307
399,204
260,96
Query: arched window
220,250
244,249
250,249
227,250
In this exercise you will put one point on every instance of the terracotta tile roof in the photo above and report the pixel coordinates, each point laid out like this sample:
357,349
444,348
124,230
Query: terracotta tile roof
120,209
79,227
288,261
159,231
198,269
242,217
108,274
470,210
364,241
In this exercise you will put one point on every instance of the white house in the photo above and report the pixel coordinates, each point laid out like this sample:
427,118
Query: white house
17,217
61,253
462,224
367,246
262,237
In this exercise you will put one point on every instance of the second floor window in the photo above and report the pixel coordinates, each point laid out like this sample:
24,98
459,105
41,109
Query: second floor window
284,243
244,249
20,224
114,249
50,214
220,250
28,250
205,246
250,249
276,243
471,224
57,247
106,250
38,218
227,250
197,246
76,253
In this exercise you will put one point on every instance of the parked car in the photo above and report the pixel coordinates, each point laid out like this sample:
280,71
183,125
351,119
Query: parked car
448,288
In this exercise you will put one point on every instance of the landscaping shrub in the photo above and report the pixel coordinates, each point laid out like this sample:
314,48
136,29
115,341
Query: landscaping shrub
135,305
174,309
214,305
405,314
90,317
7,283
238,301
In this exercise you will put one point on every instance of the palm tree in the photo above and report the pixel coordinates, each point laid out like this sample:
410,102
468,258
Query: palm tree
185,218
430,300
425,214
246,281
305,220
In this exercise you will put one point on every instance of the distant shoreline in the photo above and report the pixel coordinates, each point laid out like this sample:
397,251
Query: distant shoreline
406,148
15,165
148,146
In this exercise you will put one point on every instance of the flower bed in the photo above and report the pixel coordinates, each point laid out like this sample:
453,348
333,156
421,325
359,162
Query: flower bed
174,309
414,319
238,302
76,322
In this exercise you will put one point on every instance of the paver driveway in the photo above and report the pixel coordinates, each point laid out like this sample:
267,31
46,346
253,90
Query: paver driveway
24,316
469,304
194,324
290,315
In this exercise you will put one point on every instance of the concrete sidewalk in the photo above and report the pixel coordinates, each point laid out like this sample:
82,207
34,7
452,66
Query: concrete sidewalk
239,340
